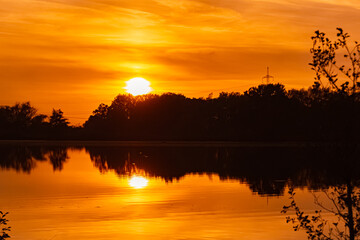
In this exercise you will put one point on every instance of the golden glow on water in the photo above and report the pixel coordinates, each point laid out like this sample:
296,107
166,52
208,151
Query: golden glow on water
138,86
138,182
80,202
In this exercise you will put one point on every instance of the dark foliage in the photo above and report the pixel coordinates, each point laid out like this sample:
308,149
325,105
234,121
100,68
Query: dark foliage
345,197
57,119
345,206
4,229
336,63
262,113
329,112
21,121
266,112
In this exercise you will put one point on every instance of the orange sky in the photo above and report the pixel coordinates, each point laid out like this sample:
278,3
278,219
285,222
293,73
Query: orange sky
75,54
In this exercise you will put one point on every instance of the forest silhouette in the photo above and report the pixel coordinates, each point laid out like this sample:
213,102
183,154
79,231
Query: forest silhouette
267,112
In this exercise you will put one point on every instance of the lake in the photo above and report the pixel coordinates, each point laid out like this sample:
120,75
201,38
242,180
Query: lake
145,191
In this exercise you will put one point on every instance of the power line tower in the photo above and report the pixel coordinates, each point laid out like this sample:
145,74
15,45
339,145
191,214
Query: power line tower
268,77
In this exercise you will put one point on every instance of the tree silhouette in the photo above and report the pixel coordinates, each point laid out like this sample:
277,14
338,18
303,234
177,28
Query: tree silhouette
4,229
21,121
340,105
345,207
328,57
57,119
267,90
21,114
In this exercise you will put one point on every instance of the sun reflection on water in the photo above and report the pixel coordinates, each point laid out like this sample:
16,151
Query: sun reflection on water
138,182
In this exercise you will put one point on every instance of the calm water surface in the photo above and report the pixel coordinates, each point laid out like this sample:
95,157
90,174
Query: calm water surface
81,193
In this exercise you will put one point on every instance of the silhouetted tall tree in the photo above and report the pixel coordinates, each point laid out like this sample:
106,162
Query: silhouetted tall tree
57,119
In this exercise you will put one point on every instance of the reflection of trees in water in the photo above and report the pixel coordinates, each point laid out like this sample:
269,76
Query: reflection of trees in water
341,200
24,158
57,158
20,158
266,170
120,162
343,204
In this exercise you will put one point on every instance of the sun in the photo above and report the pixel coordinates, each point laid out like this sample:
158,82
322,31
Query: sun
138,86
138,182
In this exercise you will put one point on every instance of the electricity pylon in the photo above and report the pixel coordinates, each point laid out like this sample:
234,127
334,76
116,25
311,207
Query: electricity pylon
268,77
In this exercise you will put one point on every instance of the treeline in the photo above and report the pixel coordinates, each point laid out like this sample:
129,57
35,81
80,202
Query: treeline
263,113
21,121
